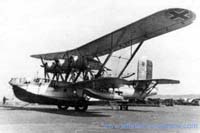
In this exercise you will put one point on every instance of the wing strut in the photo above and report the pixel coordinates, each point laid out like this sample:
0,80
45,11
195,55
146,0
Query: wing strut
127,63
102,66
111,51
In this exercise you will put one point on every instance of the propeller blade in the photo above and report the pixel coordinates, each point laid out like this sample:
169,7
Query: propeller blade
42,61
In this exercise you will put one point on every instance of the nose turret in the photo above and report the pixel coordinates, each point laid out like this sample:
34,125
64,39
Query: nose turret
17,81
13,81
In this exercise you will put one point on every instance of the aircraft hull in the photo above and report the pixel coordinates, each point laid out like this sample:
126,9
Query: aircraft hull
27,96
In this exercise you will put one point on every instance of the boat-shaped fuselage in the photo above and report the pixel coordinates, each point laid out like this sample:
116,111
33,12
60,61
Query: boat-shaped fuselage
44,91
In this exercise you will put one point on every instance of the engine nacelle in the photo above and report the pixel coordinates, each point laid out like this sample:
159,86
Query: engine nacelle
81,63
127,91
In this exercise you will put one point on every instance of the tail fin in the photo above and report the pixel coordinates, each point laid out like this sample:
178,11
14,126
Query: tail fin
144,69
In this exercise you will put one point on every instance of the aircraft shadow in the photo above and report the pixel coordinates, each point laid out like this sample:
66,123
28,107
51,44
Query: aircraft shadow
129,110
69,112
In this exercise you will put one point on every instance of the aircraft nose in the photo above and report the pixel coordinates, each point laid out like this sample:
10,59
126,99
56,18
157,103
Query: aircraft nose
12,81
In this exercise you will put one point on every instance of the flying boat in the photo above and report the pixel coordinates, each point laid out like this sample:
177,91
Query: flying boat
82,73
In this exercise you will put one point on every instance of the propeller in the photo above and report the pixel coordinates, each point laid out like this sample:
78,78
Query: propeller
45,65
57,67
57,70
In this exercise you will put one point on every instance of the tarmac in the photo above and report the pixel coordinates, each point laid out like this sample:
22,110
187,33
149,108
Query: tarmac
99,119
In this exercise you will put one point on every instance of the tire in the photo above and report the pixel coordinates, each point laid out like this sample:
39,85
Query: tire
126,108
120,107
123,107
62,107
81,106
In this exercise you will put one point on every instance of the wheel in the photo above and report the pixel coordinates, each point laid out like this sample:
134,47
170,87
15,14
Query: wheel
63,107
126,108
120,107
81,106
123,107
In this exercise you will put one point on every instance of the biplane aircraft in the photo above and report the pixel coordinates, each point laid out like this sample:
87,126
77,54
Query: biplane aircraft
82,75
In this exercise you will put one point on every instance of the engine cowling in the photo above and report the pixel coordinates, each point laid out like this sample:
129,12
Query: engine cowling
81,62
127,91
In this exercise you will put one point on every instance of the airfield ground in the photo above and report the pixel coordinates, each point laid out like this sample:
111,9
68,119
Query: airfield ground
98,119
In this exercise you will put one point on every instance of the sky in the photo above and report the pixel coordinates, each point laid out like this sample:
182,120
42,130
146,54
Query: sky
42,26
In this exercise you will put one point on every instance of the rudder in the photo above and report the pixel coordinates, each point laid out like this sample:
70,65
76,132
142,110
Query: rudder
144,69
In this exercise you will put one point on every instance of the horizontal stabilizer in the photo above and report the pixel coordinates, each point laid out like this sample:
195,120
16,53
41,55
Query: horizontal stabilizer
157,81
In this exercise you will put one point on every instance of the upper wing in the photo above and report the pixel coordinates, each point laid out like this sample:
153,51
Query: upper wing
154,25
